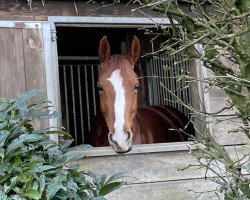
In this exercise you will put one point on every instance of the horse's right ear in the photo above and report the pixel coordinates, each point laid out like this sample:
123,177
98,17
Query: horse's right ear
104,50
134,51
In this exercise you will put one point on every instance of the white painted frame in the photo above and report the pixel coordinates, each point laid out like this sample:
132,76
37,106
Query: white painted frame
53,91
52,72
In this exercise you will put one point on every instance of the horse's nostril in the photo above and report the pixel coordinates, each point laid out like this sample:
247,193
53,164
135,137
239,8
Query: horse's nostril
130,135
110,138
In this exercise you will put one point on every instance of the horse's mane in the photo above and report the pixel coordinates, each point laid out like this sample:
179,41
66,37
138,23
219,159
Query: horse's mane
117,61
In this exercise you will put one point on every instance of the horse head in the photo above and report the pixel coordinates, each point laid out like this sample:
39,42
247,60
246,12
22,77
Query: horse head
118,85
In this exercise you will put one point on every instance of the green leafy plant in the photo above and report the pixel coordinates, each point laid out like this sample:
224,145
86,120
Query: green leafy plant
32,166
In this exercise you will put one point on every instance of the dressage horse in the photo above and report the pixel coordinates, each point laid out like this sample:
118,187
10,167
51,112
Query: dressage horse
120,122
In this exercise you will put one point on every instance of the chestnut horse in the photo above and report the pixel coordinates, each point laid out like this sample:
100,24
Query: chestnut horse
120,122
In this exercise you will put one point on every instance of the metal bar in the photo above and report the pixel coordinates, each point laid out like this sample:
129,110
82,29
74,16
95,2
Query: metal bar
172,82
167,78
178,86
66,96
93,21
159,67
149,80
162,100
93,87
87,94
80,101
158,80
184,89
73,104
153,81
78,58
187,89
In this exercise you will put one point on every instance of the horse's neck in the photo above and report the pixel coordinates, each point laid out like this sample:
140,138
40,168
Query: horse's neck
141,128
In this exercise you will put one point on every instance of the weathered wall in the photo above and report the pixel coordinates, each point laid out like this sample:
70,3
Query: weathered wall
155,175
19,9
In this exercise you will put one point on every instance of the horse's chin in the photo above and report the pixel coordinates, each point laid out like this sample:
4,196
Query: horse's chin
122,151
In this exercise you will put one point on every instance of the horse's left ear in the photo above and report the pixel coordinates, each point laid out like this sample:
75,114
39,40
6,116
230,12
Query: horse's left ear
134,51
104,50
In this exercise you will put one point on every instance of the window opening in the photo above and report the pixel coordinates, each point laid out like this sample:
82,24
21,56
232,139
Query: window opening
78,74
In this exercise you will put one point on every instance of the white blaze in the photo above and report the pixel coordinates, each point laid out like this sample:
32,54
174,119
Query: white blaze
119,106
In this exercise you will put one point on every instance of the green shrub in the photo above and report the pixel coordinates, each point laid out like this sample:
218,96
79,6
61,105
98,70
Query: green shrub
32,166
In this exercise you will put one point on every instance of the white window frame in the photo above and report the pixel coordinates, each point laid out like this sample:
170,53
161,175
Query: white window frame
53,74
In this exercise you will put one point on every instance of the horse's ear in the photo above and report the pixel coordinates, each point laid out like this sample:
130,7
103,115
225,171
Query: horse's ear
134,51
104,49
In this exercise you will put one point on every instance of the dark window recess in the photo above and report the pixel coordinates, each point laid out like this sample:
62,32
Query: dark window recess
78,74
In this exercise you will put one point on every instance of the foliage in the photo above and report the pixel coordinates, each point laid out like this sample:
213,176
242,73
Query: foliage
34,167
217,33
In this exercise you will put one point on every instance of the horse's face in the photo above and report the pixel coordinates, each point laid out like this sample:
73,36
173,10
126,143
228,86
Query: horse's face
118,85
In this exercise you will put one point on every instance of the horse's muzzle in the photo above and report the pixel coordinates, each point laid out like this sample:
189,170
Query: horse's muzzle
123,147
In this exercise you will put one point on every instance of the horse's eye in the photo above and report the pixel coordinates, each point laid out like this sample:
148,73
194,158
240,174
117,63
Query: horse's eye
99,87
137,86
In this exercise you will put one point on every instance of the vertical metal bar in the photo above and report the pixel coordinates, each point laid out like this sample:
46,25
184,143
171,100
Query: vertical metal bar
153,80
168,79
93,87
149,80
86,93
178,86
161,101
183,85
173,81
187,91
158,80
66,96
80,101
162,80
73,103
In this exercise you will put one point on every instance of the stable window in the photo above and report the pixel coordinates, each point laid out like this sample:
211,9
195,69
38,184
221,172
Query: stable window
78,70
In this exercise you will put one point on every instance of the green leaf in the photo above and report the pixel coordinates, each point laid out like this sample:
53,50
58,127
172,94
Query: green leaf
26,96
3,136
71,185
247,166
29,127
73,156
3,125
12,184
110,187
2,153
115,177
59,132
84,196
46,167
3,196
54,186
15,144
16,161
4,178
3,105
41,182
32,194
65,144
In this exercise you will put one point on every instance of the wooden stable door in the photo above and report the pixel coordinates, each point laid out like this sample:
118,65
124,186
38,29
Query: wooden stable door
21,58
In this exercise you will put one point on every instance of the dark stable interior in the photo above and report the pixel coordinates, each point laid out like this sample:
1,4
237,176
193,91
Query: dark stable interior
84,42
